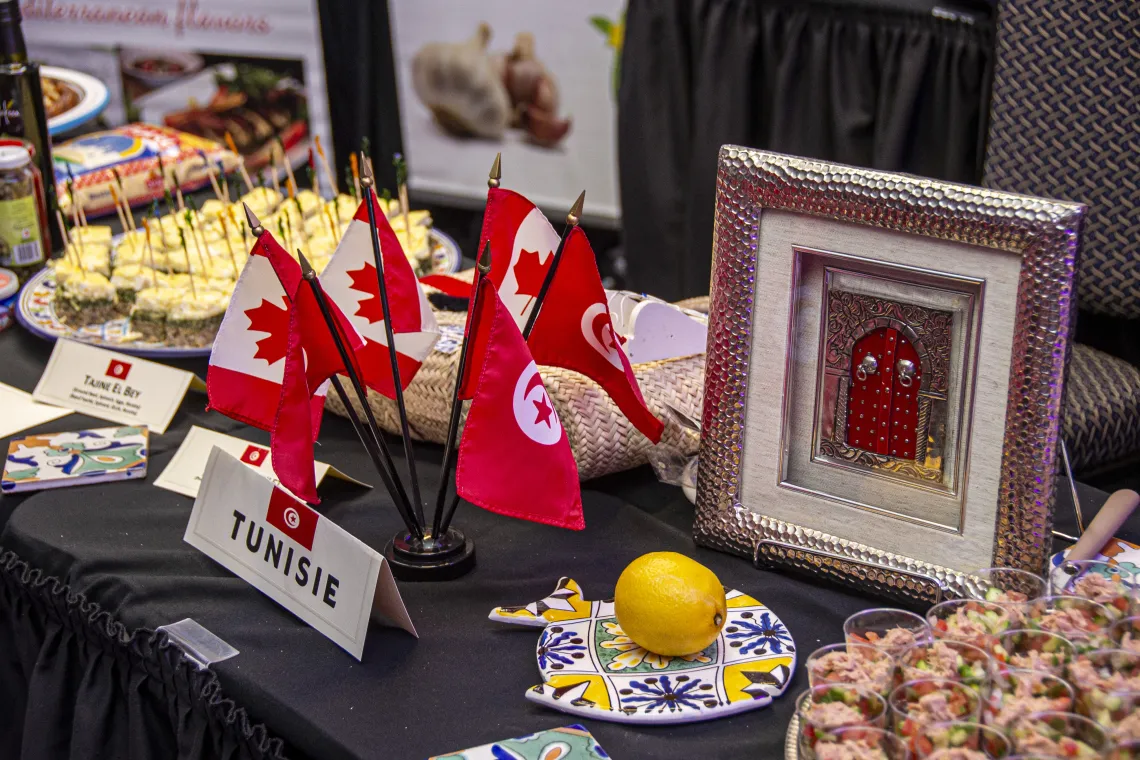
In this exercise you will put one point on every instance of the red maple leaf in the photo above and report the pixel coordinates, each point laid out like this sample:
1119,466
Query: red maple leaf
530,272
273,319
364,281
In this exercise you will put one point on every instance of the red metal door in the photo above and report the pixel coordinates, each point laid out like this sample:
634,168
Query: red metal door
882,409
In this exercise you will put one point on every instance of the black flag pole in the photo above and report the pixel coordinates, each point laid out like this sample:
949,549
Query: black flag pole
484,268
572,219
366,186
310,276
369,442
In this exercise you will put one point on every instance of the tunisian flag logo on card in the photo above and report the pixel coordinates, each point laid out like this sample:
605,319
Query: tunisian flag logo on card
118,370
291,517
254,455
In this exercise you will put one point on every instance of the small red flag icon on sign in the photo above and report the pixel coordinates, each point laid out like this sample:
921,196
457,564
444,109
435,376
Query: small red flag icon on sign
118,370
254,455
291,517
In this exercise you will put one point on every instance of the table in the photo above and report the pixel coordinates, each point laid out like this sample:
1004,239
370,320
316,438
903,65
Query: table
77,679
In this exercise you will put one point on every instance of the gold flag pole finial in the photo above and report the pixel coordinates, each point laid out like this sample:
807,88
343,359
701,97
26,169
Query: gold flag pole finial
496,171
254,223
575,214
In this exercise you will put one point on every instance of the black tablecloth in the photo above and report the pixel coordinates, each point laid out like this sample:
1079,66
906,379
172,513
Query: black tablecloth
78,680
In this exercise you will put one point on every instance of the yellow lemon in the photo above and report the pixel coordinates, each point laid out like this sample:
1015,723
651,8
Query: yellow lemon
669,604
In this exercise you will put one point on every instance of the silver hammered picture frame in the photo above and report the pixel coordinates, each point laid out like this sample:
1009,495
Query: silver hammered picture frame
758,191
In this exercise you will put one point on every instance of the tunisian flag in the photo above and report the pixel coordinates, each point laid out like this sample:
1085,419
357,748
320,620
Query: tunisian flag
514,458
248,359
350,280
574,331
515,226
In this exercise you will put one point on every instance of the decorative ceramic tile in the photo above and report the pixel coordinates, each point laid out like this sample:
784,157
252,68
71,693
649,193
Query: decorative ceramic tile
1116,551
569,743
591,668
76,458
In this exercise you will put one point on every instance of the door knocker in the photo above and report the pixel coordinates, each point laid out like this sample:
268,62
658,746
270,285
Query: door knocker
869,366
906,370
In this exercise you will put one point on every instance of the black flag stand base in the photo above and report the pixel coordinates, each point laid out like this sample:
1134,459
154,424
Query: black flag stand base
429,559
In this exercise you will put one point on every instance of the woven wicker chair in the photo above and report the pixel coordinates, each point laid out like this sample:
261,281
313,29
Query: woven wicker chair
1065,123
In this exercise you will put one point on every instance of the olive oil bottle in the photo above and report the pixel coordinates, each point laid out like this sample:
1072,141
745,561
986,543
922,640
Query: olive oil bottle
22,116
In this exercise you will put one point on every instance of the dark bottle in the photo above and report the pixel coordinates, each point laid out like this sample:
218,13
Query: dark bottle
22,116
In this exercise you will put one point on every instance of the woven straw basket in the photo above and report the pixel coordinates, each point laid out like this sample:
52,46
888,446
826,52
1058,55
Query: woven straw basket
602,438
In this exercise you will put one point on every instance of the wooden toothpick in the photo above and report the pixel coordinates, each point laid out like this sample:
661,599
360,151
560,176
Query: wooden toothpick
241,162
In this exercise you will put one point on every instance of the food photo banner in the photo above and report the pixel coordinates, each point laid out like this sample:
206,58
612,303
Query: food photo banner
254,69
536,81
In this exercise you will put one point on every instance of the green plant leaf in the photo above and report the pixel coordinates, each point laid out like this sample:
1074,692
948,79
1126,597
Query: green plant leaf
602,24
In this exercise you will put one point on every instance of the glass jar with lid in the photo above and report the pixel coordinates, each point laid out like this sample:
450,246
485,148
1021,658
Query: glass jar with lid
21,238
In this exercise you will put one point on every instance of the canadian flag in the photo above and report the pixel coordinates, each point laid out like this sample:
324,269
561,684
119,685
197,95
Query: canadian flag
350,280
515,458
574,330
247,363
512,223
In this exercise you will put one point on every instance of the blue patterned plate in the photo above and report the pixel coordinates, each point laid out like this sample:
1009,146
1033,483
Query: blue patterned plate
592,669
35,310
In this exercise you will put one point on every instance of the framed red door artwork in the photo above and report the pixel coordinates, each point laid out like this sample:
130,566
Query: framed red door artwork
886,377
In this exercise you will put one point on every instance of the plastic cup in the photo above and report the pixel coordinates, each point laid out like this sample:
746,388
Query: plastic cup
909,705
971,665
1001,708
853,663
1034,650
819,720
1098,678
971,621
939,739
886,628
1081,621
1125,750
1125,634
1101,582
890,745
1007,586
1058,734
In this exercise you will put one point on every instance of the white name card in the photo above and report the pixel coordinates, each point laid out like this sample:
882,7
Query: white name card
21,411
292,554
113,386
184,473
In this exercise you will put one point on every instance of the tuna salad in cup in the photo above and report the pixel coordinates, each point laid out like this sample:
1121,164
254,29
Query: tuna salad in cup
1018,693
916,704
953,660
1007,586
1125,633
1034,650
852,663
957,740
822,709
1081,621
886,628
969,620
860,743
1057,734
1100,678
1100,582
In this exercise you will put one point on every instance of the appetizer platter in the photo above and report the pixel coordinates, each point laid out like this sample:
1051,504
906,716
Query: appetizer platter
71,98
160,289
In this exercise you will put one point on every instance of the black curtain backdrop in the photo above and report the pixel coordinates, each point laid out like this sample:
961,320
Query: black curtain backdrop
897,89
361,78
